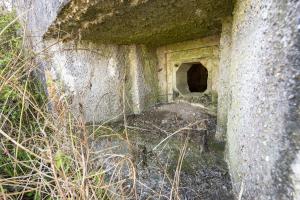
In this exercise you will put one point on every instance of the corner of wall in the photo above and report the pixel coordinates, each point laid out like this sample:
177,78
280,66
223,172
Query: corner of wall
224,79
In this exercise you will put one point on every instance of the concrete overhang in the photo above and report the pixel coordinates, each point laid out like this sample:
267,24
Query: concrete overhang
151,22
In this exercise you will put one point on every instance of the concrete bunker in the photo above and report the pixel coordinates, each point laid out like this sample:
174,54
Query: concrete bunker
191,78
218,38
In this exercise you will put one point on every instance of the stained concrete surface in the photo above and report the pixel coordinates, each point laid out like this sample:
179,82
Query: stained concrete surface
263,114
98,80
152,22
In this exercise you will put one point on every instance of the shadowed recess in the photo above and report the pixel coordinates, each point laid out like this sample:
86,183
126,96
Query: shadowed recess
197,78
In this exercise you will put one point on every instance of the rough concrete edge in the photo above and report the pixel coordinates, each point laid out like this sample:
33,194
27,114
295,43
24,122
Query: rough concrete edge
226,38
284,175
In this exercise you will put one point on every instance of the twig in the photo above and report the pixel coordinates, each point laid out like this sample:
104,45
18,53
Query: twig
241,191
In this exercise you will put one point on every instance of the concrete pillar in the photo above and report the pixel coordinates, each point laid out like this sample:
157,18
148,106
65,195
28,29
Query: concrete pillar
263,124
223,83
137,81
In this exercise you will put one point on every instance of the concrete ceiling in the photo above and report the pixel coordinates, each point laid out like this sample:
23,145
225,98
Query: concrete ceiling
151,22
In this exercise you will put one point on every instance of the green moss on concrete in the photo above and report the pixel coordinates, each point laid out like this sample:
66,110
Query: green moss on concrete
149,64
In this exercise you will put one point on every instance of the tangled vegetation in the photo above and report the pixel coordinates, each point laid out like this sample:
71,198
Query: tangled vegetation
42,156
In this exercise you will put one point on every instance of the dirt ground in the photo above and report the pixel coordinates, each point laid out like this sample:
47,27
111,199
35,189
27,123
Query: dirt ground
173,152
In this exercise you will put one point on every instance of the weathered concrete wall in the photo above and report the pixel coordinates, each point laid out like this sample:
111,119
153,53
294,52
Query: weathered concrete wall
100,81
263,117
223,83
140,63
205,51
93,77
90,77
38,15
144,90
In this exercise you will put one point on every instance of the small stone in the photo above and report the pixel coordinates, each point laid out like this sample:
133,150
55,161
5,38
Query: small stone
164,121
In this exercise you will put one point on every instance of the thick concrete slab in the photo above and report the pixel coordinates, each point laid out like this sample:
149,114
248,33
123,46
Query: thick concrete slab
153,22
